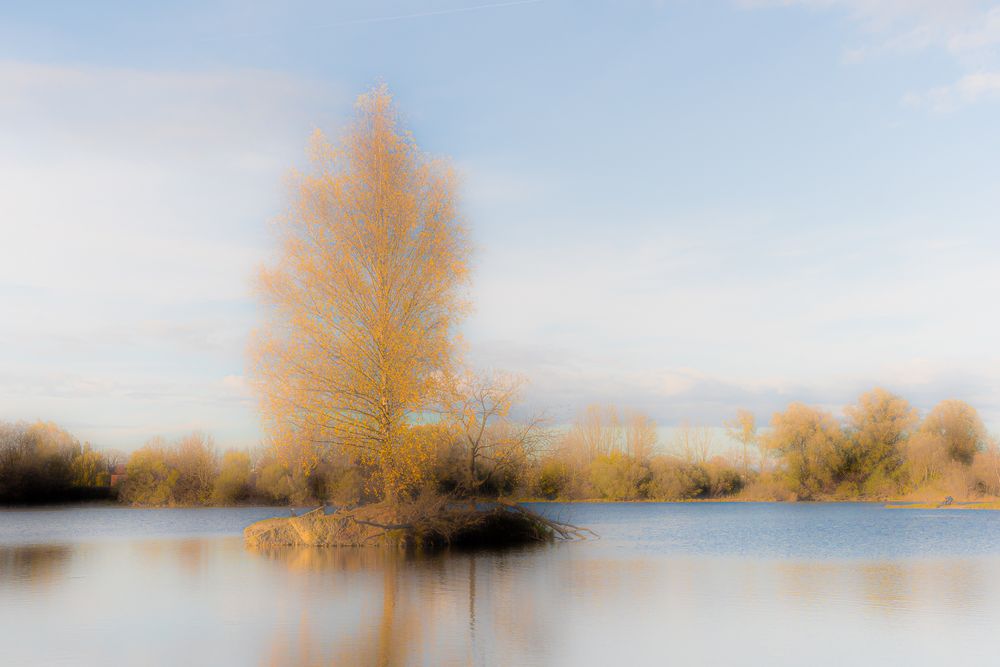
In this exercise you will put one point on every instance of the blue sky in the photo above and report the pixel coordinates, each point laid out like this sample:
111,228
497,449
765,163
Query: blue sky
681,206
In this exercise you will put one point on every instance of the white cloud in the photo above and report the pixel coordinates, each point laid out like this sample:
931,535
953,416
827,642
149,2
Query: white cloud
968,31
969,89
701,318
880,15
133,203
133,206
160,178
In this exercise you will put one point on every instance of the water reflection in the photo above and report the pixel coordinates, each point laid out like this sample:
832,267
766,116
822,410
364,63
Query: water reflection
136,600
893,588
314,559
447,609
35,565
385,636
888,588
190,554
568,606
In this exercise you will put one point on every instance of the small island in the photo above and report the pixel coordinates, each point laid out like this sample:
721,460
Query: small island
422,525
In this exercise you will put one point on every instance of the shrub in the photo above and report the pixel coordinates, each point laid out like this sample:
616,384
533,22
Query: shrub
958,423
233,482
552,479
195,461
158,474
274,481
673,479
723,478
280,483
36,463
149,479
90,468
617,476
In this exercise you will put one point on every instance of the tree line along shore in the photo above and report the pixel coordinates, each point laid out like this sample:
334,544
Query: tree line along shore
878,449
365,396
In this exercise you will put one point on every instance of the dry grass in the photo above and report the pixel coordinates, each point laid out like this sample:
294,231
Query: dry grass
429,522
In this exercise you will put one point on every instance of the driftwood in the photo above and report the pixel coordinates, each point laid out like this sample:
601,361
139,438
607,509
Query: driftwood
428,522
565,531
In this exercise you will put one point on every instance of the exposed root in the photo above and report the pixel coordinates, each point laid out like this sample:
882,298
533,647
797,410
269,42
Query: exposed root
563,530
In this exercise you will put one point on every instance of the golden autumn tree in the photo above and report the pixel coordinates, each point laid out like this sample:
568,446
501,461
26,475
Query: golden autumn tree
959,427
880,423
363,302
810,441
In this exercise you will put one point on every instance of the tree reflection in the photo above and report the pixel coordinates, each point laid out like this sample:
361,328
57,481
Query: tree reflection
366,606
387,635
889,588
34,564
369,606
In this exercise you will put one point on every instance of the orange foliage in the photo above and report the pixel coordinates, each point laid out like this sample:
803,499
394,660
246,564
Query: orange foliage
364,301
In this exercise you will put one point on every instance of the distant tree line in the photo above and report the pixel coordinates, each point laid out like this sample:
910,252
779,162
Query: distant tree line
42,463
879,448
189,471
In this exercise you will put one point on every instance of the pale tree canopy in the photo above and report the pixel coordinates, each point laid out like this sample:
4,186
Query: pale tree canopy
960,427
693,443
810,441
743,429
363,301
640,435
880,424
602,430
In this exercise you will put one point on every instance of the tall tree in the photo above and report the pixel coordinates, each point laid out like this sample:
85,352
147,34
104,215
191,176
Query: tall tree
363,303
743,429
960,427
693,443
640,435
879,425
601,430
598,431
810,441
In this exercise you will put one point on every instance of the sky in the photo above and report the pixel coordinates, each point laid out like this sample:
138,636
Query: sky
683,206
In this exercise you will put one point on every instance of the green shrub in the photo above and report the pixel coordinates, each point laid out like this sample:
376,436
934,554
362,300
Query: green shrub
617,476
233,482
552,479
674,479
149,480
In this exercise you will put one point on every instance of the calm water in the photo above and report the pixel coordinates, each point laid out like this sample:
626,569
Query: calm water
665,584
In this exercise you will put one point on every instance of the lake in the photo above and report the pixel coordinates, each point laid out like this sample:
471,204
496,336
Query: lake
711,583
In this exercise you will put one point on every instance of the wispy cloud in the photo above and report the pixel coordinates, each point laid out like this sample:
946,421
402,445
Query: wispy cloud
968,31
969,89
695,317
134,207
